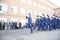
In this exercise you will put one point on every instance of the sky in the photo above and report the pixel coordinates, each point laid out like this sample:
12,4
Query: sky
56,2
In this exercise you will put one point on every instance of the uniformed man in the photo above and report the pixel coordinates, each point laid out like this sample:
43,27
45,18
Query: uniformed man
43,22
40,23
54,21
51,25
58,23
30,22
47,21
36,22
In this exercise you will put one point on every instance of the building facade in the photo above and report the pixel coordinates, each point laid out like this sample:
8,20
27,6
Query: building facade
16,10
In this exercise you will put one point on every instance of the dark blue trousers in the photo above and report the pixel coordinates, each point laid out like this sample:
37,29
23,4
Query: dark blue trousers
31,28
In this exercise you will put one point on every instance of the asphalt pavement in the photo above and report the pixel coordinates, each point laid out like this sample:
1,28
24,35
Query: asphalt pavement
24,34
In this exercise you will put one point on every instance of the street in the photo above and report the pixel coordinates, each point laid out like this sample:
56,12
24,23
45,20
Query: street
24,34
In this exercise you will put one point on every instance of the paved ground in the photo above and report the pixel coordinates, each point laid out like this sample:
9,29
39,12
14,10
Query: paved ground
26,35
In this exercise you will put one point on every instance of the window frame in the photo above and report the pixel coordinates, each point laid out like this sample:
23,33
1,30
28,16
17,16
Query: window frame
4,7
14,9
0,8
22,10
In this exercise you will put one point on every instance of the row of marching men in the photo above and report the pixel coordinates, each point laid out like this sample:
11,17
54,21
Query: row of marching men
44,23
47,23
9,25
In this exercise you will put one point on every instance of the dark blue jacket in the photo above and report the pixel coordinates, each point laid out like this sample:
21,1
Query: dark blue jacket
29,20
37,21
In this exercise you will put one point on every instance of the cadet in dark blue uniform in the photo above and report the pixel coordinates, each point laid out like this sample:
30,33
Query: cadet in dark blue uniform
30,22
37,23
54,22
51,25
47,22
58,23
43,22
40,23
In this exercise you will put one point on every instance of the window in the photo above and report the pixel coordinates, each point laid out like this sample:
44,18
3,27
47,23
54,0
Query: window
3,7
42,1
35,12
14,9
39,5
29,2
16,0
52,11
22,10
29,11
23,1
0,8
46,8
35,4
43,7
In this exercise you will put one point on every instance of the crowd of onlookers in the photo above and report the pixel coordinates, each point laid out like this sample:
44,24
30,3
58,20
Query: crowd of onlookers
9,25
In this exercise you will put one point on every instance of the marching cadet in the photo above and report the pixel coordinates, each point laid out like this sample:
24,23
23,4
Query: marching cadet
43,22
36,23
54,22
58,23
47,21
51,25
40,23
30,22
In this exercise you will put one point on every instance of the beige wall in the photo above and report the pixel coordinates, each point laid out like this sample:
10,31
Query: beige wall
46,7
57,11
